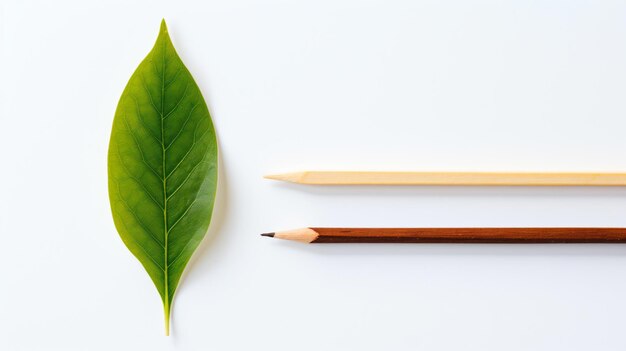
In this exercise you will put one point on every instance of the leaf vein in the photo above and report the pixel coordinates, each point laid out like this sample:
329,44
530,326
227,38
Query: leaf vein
184,95
155,67
125,167
143,159
182,127
180,68
184,213
180,254
143,249
187,178
145,87
140,118
181,217
149,232
188,152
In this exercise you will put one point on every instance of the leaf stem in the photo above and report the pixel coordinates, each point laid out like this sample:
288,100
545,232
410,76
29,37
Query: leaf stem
166,310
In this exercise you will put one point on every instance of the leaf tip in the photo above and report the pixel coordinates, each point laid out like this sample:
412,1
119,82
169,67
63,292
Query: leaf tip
163,26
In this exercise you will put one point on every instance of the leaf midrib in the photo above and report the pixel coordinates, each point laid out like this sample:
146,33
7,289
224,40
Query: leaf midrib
164,178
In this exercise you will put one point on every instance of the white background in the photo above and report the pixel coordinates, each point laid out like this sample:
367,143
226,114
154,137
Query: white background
337,84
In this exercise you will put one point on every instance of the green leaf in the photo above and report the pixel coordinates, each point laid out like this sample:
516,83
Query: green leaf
162,167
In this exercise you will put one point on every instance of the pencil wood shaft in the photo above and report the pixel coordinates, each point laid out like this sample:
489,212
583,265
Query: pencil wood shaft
454,235
453,178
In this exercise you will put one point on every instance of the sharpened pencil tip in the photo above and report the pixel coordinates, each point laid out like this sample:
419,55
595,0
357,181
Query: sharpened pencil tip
287,177
276,177
271,235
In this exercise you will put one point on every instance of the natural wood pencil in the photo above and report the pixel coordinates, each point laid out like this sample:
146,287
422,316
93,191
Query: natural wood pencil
453,235
453,178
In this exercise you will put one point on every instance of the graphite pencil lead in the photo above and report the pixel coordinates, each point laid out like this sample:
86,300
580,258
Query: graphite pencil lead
271,235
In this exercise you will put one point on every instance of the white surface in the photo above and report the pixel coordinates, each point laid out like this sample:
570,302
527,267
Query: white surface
404,85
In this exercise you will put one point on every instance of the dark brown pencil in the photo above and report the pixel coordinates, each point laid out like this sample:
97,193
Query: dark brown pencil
453,235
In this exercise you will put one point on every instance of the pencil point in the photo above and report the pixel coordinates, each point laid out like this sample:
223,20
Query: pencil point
271,235
286,177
